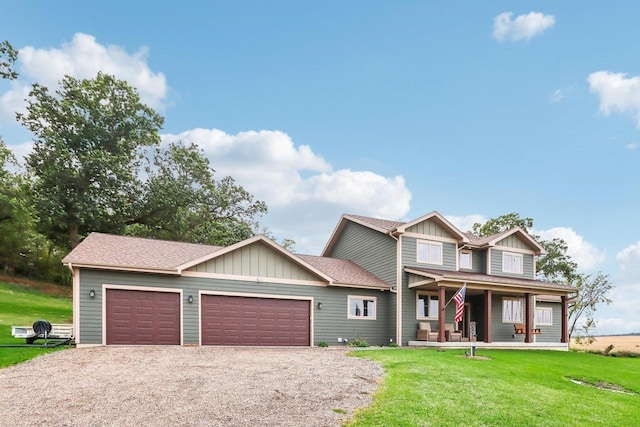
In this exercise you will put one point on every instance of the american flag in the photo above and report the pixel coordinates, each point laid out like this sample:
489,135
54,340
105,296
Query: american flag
459,299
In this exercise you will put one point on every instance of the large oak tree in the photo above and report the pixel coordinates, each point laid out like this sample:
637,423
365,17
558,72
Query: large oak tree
86,154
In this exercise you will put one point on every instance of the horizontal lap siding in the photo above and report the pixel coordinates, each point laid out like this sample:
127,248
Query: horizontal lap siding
409,315
551,333
478,262
505,331
410,255
527,265
370,249
330,322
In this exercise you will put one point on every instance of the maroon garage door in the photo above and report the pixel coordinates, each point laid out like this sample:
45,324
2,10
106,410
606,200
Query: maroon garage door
143,317
228,320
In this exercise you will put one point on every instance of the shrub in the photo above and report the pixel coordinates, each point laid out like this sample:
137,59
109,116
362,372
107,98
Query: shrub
323,344
358,342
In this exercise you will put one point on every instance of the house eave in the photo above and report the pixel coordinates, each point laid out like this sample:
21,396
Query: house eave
151,270
487,282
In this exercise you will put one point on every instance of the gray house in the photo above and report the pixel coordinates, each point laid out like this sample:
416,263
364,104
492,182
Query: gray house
376,280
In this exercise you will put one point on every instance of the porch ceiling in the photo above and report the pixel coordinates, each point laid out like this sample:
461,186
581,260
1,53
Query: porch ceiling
429,279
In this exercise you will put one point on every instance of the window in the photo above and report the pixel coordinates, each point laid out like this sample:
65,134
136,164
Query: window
544,316
511,263
465,259
512,310
362,307
427,306
429,252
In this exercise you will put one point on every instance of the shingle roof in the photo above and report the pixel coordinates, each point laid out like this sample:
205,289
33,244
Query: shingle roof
344,271
108,250
377,222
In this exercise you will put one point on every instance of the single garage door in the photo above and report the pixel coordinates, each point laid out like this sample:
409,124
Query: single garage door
230,320
142,317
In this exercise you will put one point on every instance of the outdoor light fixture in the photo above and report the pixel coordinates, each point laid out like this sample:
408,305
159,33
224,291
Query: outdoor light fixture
190,299
92,293
319,306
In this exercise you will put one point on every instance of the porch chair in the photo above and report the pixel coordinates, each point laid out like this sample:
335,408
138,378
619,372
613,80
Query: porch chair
451,334
425,333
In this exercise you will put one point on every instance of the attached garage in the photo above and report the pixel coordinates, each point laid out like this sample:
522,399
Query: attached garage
135,317
253,321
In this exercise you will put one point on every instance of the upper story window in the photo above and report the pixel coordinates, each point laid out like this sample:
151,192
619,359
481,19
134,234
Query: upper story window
429,252
427,306
511,263
362,307
465,259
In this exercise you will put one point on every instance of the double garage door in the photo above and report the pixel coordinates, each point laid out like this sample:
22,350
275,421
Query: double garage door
146,317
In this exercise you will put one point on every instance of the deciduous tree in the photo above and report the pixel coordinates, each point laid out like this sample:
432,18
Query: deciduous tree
86,154
8,57
184,202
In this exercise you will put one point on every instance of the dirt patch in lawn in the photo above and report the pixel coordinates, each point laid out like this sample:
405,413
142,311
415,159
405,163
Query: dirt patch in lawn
187,386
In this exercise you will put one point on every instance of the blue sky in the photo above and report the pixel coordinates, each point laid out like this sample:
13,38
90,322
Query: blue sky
387,109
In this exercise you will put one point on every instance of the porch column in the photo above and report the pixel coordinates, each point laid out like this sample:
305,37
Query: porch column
527,320
441,314
487,315
565,322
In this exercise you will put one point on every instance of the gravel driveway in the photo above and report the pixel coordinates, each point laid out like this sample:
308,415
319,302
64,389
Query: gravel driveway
186,386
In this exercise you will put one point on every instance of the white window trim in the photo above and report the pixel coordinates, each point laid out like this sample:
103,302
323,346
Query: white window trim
521,300
362,297
431,243
550,310
466,251
514,255
418,294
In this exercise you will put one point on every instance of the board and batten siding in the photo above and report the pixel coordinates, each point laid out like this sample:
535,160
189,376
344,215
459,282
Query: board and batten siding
370,249
527,265
513,242
330,322
258,260
410,254
430,228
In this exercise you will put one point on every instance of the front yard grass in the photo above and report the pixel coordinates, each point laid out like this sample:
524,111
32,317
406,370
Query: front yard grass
21,306
426,387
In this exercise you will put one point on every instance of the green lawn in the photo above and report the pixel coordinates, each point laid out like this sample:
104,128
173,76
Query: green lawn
425,387
21,306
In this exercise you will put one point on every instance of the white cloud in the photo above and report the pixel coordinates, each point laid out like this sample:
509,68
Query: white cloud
465,223
82,58
523,27
582,252
305,195
631,146
629,262
617,93
557,96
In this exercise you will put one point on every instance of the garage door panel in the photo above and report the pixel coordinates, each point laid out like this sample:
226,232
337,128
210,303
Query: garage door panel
142,317
230,320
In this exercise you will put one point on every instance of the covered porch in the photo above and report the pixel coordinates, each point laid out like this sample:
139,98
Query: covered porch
499,311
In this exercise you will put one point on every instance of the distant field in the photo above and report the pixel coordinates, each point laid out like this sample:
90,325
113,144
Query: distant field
620,343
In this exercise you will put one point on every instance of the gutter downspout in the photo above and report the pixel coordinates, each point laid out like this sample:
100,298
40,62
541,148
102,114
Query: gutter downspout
398,290
75,301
